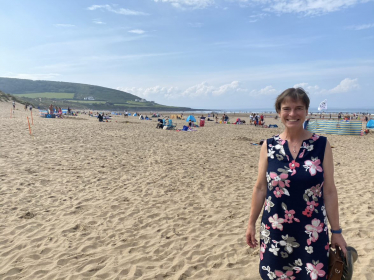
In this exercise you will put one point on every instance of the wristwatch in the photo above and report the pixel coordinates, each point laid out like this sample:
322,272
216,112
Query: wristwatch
339,231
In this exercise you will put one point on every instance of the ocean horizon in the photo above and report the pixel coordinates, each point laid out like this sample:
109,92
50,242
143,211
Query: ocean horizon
272,110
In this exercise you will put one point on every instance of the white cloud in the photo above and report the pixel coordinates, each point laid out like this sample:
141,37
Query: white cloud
256,17
47,76
228,88
203,89
63,25
199,90
268,90
137,31
121,11
151,92
98,21
195,4
345,85
306,7
361,27
307,87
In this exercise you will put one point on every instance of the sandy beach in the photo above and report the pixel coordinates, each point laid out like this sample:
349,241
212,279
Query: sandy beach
81,199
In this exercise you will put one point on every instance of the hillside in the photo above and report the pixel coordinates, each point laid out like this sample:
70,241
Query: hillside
8,97
80,96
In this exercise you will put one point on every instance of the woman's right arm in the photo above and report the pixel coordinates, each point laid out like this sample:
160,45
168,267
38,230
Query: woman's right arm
258,197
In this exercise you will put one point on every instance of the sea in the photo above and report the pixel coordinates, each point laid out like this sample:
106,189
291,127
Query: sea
272,110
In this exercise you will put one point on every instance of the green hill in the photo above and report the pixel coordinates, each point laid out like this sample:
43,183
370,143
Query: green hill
80,96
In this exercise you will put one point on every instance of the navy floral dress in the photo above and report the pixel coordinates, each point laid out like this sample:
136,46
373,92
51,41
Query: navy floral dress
294,234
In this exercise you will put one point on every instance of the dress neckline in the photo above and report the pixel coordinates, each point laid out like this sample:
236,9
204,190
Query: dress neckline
287,149
313,134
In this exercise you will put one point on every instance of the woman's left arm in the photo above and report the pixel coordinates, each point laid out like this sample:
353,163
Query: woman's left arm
330,195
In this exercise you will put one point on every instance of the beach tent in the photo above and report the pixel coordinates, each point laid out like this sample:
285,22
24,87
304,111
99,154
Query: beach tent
335,127
135,114
370,124
190,118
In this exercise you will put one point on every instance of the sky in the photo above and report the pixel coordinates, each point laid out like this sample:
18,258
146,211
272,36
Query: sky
216,54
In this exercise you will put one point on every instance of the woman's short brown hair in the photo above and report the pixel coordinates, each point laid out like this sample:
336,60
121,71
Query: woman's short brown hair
293,93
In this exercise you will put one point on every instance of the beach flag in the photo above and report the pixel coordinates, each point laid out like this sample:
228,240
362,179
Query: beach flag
323,105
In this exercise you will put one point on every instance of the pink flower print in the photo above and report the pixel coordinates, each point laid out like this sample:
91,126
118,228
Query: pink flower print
315,228
316,190
284,275
315,271
289,216
278,192
307,212
293,164
312,205
262,250
313,166
281,179
302,154
276,222
327,247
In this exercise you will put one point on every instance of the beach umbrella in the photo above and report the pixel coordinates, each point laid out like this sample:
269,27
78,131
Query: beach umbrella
190,118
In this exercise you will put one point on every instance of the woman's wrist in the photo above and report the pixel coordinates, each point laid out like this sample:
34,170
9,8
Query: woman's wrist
336,231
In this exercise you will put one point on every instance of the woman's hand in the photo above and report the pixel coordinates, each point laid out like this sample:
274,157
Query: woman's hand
250,236
338,240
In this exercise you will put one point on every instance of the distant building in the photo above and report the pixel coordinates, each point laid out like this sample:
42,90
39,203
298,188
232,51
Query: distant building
89,98
140,100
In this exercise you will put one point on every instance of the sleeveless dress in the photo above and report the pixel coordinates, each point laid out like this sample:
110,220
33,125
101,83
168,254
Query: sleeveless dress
294,235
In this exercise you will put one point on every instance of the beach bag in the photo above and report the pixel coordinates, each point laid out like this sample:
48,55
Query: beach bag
185,128
336,264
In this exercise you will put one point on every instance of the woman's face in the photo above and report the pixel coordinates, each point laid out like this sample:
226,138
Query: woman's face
293,113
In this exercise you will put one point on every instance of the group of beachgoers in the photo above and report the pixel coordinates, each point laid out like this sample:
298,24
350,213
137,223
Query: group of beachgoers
28,106
57,111
256,119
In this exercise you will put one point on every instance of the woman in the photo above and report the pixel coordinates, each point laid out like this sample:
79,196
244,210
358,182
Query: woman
296,183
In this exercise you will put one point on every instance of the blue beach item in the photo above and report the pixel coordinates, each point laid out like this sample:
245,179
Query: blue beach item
190,118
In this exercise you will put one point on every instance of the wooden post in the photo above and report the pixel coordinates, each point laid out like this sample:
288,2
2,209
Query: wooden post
29,124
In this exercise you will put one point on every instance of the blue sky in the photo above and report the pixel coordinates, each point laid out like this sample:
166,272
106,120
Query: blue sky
222,54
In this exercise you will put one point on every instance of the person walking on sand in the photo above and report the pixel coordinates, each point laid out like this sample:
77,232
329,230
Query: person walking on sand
296,185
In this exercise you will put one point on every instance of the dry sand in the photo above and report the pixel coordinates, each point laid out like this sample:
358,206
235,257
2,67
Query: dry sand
122,200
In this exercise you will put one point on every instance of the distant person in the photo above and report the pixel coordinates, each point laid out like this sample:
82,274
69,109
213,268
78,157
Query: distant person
30,108
26,107
50,109
100,117
14,105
